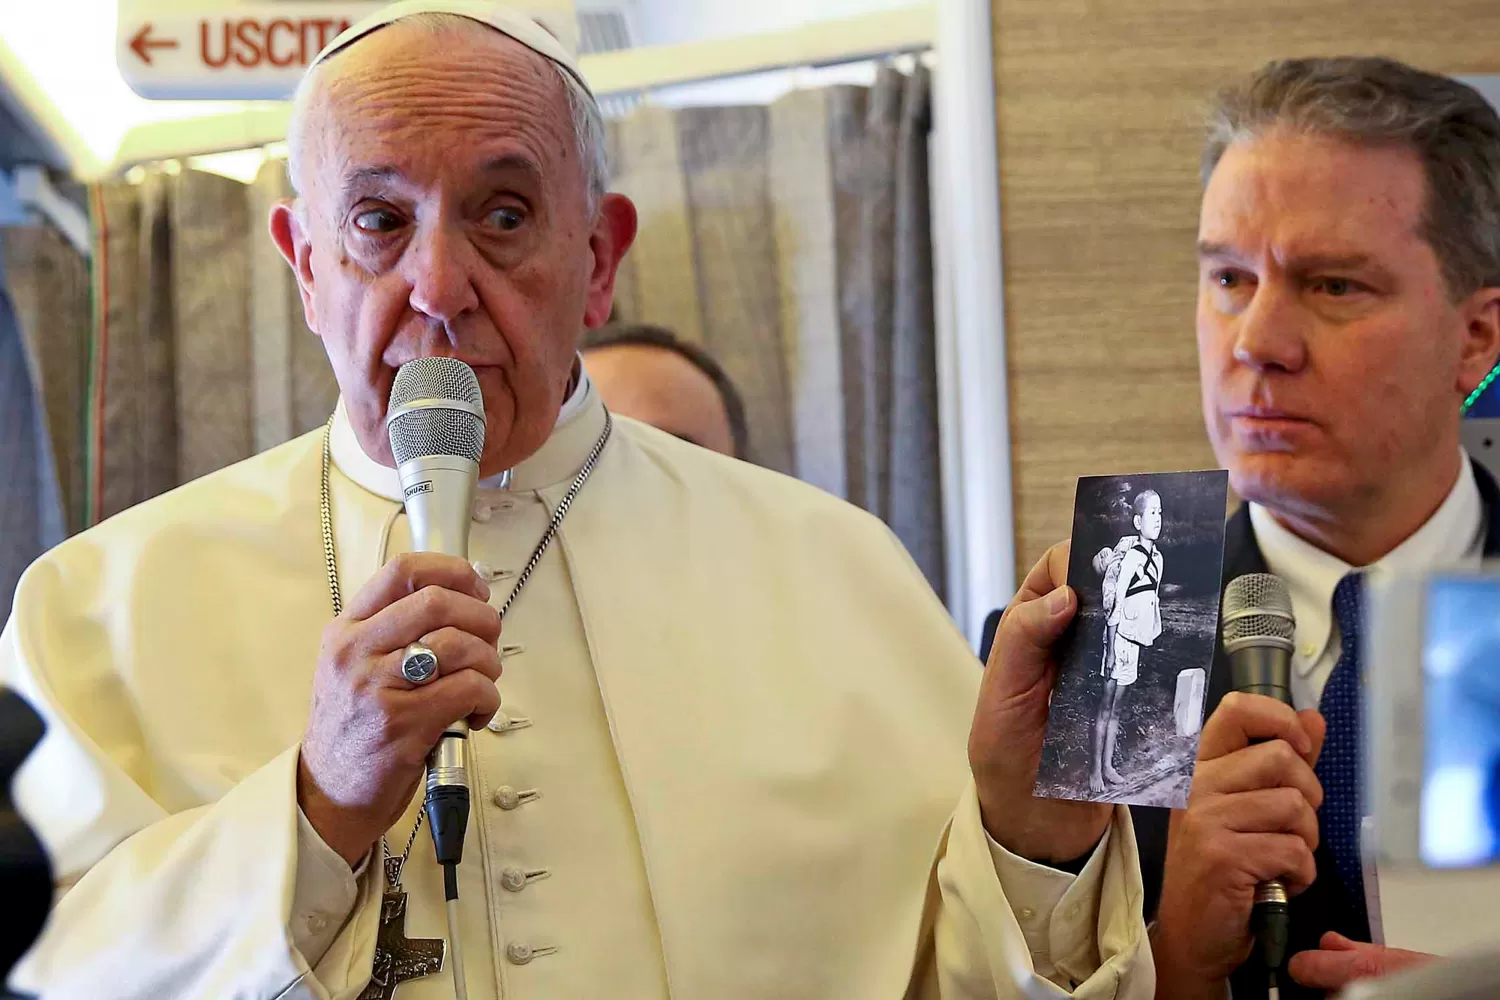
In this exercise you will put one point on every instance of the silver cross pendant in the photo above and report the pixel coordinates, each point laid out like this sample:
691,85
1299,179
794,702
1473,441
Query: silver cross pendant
399,959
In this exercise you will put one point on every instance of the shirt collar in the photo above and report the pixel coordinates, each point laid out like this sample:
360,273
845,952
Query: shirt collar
579,424
1453,534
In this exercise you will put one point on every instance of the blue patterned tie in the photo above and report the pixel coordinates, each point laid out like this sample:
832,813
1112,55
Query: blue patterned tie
1338,766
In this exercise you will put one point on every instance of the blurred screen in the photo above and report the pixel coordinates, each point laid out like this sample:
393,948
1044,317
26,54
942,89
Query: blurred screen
1460,823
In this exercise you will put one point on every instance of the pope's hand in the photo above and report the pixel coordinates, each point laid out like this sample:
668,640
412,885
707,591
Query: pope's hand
1005,744
369,729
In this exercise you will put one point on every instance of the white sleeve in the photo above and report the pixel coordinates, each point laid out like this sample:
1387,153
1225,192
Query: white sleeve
179,904
325,892
1007,928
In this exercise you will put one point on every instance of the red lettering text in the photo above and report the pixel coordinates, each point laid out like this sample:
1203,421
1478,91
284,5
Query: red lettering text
295,56
251,43
209,59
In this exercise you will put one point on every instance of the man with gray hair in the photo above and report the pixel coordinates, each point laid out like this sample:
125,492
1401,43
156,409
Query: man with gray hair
1348,302
743,752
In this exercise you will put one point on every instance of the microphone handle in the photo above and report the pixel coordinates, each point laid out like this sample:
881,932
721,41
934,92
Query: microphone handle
1266,670
439,495
1263,670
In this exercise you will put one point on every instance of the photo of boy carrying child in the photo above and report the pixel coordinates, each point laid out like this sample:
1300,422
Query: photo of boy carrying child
1132,572
1127,705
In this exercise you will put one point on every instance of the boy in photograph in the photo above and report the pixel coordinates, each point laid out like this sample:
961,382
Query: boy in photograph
1133,603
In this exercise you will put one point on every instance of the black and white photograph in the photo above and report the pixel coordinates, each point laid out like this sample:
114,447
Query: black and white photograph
1127,706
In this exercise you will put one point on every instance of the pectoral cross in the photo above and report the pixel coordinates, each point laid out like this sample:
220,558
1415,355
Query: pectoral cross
397,958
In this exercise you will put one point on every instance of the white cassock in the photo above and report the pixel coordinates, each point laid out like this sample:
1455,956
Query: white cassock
734,765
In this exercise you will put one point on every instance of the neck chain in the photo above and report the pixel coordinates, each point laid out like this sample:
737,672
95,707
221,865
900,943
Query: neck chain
393,866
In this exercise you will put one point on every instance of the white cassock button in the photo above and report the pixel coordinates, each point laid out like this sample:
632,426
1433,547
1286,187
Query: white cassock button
508,798
517,953
483,512
503,722
514,879
1309,651
1027,913
316,923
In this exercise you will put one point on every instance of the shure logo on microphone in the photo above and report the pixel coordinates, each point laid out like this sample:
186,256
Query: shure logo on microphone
425,486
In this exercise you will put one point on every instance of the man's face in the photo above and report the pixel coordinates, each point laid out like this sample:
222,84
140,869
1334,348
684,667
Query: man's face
445,214
1148,522
1332,359
661,388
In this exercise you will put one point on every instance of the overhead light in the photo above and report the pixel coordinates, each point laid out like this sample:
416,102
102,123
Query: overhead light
68,48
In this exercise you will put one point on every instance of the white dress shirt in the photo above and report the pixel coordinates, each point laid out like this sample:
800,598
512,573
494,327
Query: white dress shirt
1452,537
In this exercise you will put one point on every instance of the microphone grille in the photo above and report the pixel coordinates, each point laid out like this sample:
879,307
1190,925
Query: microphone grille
1257,611
436,428
435,378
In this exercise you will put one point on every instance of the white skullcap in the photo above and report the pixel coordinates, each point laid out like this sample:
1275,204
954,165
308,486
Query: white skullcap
507,20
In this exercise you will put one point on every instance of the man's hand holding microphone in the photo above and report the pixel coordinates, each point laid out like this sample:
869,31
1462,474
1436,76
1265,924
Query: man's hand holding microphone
370,729
1251,817
374,722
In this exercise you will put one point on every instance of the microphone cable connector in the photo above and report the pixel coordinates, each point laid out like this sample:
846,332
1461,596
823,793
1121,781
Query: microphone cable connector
1271,925
447,810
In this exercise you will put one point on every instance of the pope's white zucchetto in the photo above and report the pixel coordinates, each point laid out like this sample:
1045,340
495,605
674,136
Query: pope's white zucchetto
505,19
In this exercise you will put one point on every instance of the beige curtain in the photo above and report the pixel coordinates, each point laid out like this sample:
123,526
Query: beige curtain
794,243
44,354
202,355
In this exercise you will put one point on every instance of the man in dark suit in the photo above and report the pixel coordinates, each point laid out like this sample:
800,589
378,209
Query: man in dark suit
1349,301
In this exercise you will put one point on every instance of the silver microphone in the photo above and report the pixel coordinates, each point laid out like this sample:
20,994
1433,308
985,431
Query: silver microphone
1258,629
436,426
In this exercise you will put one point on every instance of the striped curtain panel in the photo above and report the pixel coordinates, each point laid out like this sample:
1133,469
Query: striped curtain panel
44,343
199,356
794,243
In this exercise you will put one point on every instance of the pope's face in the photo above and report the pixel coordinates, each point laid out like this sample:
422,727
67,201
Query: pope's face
445,213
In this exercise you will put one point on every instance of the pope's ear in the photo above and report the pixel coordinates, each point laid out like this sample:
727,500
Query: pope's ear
289,231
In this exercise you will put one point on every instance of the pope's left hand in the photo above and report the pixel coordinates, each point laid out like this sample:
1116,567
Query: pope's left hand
1340,961
1005,744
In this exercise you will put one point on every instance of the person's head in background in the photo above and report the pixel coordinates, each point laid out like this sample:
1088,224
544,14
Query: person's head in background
1349,292
647,373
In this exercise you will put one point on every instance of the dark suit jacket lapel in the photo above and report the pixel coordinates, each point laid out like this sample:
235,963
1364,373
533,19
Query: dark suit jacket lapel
1489,495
